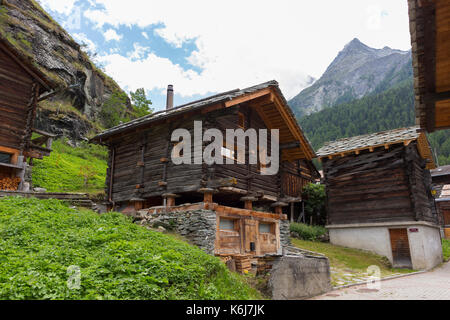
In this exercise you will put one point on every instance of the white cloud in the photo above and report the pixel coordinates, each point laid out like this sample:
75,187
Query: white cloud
81,38
241,43
145,35
60,6
111,35
138,53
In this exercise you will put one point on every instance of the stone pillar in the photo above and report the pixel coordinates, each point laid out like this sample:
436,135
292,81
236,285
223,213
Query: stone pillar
249,202
278,206
170,199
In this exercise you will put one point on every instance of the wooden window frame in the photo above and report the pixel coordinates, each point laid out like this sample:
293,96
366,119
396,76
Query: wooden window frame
271,227
11,155
235,224
234,156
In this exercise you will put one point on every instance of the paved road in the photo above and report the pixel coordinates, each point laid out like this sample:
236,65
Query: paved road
433,285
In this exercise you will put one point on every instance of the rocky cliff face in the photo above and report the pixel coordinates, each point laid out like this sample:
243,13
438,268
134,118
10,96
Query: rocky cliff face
357,71
38,37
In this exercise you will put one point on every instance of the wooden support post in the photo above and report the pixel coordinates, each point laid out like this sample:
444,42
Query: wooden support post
292,212
207,194
170,199
249,202
279,207
138,203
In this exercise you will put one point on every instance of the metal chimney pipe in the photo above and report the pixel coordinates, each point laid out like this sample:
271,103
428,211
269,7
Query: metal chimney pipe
169,104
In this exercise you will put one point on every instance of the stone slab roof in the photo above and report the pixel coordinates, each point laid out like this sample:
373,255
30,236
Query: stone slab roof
222,97
369,140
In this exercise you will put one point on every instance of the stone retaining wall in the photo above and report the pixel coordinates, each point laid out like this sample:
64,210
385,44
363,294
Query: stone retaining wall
198,226
285,234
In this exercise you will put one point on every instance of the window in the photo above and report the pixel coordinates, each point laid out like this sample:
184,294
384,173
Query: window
265,227
227,225
231,154
228,153
5,157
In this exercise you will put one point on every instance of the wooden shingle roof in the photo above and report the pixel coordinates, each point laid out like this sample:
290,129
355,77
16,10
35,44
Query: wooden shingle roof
385,139
274,111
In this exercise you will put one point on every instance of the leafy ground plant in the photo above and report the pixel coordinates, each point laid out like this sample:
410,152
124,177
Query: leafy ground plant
446,249
44,244
307,232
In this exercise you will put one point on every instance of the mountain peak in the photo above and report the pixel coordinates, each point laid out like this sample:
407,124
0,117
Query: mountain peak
356,44
357,71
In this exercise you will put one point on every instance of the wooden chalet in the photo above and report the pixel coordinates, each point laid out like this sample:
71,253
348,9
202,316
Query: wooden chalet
379,196
430,37
21,85
141,174
441,183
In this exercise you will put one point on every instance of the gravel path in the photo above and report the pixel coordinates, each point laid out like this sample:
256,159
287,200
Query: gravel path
433,285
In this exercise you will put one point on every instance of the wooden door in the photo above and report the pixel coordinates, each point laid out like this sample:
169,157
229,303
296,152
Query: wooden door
250,236
400,248
446,213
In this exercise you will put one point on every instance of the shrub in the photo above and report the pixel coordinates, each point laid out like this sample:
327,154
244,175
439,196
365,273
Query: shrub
315,197
44,242
306,232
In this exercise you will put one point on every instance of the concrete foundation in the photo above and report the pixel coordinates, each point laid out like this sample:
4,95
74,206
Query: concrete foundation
299,277
424,240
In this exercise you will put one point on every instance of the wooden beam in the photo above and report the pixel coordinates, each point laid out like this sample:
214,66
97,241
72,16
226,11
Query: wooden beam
248,97
293,127
291,145
437,96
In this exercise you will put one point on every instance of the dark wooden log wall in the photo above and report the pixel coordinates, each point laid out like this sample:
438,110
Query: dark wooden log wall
18,95
380,186
139,172
248,176
295,176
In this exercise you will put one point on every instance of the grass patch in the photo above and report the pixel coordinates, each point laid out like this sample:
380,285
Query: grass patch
307,232
446,249
349,265
70,169
41,239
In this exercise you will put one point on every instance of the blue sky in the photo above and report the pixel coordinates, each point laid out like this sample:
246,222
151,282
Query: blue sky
205,46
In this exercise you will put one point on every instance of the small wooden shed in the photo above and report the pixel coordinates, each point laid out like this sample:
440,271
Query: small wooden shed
379,196
21,85
430,38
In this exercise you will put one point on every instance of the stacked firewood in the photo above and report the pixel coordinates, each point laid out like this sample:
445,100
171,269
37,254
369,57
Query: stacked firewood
243,264
9,184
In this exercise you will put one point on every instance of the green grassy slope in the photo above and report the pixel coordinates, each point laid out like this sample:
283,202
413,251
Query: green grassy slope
70,169
41,239
446,249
